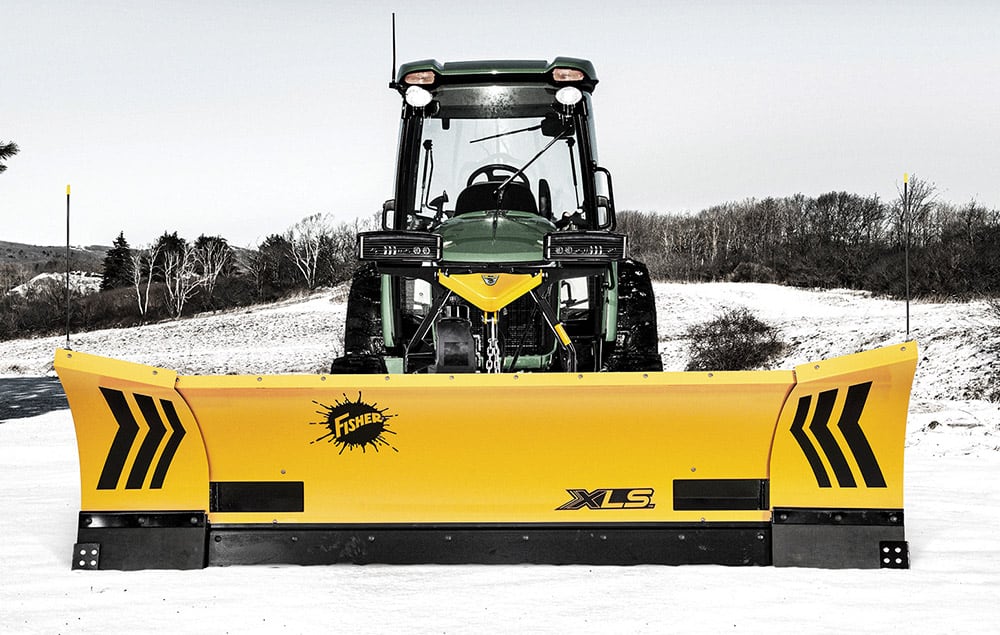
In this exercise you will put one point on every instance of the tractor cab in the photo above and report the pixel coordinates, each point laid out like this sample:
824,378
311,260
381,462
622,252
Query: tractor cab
498,138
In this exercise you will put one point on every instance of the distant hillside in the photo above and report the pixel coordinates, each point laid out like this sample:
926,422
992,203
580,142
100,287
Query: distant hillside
35,259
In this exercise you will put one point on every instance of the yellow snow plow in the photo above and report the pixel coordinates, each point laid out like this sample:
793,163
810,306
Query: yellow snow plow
801,467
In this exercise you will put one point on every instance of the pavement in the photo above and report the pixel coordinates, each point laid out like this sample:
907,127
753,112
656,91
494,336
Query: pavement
23,397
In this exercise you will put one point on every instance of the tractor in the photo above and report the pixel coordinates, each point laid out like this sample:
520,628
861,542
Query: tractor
498,252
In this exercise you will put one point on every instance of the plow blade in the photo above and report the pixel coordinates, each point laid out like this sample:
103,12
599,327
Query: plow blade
801,467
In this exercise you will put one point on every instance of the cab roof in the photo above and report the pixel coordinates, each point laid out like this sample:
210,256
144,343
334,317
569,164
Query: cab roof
497,71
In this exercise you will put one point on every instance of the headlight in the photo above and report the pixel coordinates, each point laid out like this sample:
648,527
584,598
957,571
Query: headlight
418,97
584,246
569,95
399,246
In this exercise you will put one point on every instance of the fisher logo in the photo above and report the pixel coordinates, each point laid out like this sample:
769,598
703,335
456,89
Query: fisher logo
355,424
612,498
850,428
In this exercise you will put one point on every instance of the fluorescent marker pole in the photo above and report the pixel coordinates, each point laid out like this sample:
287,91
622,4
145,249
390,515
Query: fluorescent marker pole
906,248
67,266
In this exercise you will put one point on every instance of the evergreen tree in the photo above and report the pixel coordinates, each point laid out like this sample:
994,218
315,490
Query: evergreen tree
117,265
7,150
167,244
277,269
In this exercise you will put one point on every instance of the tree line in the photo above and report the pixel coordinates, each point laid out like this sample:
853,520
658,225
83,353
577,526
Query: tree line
174,276
833,240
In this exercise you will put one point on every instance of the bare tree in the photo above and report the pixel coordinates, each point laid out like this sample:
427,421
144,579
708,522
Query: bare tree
181,278
212,257
12,275
306,239
255,263
142,272
342,247
918,201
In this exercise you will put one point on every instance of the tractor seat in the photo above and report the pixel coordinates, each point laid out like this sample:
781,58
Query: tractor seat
480,197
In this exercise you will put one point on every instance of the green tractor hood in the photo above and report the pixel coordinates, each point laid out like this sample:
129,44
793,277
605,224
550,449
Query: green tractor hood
492,237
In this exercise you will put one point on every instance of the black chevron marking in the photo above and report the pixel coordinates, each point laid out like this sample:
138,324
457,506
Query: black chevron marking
822,478
177,433
122,443
849,425
149,445
821,418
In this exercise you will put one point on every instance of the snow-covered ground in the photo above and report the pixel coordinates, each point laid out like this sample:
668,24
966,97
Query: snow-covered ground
80,282
952,500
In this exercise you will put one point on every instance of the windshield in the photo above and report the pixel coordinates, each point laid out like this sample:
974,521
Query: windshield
497,134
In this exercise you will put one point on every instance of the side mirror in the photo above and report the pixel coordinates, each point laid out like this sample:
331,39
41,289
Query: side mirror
553,125
387,212
605,202
438,203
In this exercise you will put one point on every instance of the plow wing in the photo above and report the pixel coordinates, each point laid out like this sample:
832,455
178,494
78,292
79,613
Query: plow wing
801,468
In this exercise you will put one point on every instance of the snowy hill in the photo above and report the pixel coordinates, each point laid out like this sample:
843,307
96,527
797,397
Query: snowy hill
959,342
41,258
80,282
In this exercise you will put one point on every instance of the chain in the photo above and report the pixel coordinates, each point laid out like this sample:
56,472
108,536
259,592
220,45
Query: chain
493,359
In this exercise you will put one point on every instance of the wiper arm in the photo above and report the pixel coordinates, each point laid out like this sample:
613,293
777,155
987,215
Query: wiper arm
504,134
499,191
502,188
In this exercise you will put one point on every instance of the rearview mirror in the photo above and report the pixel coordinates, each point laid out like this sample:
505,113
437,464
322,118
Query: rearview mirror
605,199
388,208
553,125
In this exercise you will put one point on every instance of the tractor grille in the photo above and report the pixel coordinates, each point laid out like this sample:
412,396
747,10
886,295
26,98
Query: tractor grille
517,322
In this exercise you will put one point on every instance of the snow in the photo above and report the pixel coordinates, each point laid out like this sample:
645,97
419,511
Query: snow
80,282
952,500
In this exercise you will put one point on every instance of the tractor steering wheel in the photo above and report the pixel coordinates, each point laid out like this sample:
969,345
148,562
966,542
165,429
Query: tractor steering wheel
492,173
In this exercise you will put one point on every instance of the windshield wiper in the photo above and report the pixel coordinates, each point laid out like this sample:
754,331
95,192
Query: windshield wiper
504,134
500,189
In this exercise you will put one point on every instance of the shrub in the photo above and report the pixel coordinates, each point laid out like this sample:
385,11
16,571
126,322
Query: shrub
753,272
735,340
994,306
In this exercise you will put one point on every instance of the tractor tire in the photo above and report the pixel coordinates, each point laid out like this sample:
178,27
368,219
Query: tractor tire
637,346
364,347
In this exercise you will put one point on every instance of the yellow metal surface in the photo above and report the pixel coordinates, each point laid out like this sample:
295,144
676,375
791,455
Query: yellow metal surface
490,292
140,447
849,414
487,448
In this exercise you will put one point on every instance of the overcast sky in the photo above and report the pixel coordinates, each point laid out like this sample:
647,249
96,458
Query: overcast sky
238,118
